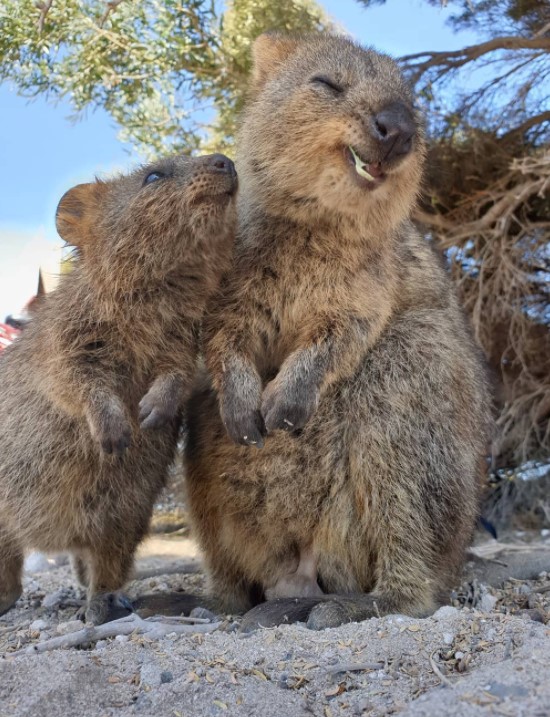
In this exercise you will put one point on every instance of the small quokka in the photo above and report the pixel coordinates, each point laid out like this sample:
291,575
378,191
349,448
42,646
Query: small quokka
337,348
91,393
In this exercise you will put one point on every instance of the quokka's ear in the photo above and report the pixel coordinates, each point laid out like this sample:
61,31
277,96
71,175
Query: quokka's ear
269,51
77,212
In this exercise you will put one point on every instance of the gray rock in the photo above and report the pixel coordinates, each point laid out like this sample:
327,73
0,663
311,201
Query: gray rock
445,612
37,563
487,602
53,600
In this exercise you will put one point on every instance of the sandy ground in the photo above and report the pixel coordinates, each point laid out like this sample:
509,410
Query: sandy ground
487,656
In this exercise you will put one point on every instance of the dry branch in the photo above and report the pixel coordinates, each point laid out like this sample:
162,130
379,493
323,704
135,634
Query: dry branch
437,672
529,123
500,235
453,59
154,628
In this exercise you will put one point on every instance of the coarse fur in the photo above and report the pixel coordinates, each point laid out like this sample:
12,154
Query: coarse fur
91,396
339,325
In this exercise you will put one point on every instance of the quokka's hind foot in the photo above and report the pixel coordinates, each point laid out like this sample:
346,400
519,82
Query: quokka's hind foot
279,611
8,598
104,608
326,611
11,567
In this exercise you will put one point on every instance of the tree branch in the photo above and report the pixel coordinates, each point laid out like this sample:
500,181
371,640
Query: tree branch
44,8
543,30
111,5
531,122
454,59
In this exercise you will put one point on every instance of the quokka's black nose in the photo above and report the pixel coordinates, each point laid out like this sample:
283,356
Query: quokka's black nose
394,127
221,163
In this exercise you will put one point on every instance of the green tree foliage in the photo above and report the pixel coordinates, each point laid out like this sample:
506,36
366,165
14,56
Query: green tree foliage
244,21
160,68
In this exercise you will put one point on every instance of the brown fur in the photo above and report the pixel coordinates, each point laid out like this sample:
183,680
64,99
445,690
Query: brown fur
338,323
113,346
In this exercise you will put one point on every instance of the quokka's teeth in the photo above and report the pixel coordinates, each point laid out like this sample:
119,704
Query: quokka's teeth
363,173
360,167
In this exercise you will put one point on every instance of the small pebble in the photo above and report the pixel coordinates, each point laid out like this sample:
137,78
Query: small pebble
32,586
39,625
525,589
165,677
487,602
535,614
448,638
122,638
282,682
37,563
53,600
445,612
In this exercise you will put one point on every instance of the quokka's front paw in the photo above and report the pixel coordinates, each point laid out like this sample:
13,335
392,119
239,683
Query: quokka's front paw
243,422
239,397
159,407
287,404
111,429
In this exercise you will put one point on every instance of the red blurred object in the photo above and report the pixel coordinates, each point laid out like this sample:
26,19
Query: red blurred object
7,335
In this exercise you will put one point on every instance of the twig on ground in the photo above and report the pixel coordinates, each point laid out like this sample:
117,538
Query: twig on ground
437,672
12,628
153,629
180,618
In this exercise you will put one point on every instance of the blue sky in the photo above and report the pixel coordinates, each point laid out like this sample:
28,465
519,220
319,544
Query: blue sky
43,153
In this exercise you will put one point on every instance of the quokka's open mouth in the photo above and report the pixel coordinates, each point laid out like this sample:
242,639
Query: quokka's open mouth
371,173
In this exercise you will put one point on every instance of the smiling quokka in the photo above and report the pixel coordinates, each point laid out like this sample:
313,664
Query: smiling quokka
92,391
338,336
